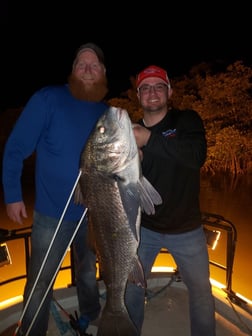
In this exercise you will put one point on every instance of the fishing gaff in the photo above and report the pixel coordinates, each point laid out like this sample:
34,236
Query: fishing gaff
45,259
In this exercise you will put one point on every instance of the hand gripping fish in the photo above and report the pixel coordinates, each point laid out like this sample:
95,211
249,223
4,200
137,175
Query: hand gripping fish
115,192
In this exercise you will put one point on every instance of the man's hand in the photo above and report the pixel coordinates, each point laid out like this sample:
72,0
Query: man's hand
16,211
142,135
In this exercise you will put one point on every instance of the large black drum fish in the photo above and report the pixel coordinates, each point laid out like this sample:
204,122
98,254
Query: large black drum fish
115,192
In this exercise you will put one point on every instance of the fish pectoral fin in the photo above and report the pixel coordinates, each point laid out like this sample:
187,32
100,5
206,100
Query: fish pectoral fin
129,197
148,196
136,276
130,201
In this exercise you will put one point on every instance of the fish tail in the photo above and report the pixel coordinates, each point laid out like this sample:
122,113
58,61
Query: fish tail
116,324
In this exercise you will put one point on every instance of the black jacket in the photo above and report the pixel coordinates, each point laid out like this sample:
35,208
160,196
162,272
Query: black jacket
172,160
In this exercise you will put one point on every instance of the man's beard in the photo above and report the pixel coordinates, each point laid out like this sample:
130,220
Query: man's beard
94,92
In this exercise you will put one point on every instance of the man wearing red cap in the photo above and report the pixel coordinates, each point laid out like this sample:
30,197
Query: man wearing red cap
173,148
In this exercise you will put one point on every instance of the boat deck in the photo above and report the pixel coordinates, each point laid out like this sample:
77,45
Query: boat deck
166,312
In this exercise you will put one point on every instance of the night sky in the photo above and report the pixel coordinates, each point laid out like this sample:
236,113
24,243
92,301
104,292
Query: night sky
38,46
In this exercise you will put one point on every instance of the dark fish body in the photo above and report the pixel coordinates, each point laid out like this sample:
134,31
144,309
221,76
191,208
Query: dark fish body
113,189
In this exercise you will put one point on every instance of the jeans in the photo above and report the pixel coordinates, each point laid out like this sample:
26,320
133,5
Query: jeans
189,251
85,272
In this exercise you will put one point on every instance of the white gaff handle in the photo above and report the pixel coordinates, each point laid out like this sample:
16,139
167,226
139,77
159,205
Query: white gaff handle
47,253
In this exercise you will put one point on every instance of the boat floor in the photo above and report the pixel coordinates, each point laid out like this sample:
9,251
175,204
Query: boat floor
166,312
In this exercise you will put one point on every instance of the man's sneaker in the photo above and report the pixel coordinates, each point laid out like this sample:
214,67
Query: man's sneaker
83,323
80,324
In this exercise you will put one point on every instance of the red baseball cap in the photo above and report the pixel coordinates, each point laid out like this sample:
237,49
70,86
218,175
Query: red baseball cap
152,71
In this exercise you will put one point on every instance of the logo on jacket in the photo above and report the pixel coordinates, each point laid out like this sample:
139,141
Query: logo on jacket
169,133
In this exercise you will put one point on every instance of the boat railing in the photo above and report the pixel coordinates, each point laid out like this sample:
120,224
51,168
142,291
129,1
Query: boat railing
211,223
219,222
25,235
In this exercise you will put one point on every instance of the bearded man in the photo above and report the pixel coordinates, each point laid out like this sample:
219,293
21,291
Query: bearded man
55,124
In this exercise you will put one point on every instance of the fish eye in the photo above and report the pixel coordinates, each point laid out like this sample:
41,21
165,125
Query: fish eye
102,129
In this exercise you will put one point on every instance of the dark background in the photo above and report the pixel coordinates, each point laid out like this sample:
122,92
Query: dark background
39,40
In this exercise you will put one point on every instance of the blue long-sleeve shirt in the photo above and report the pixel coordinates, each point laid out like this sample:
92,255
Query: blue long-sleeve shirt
55,126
